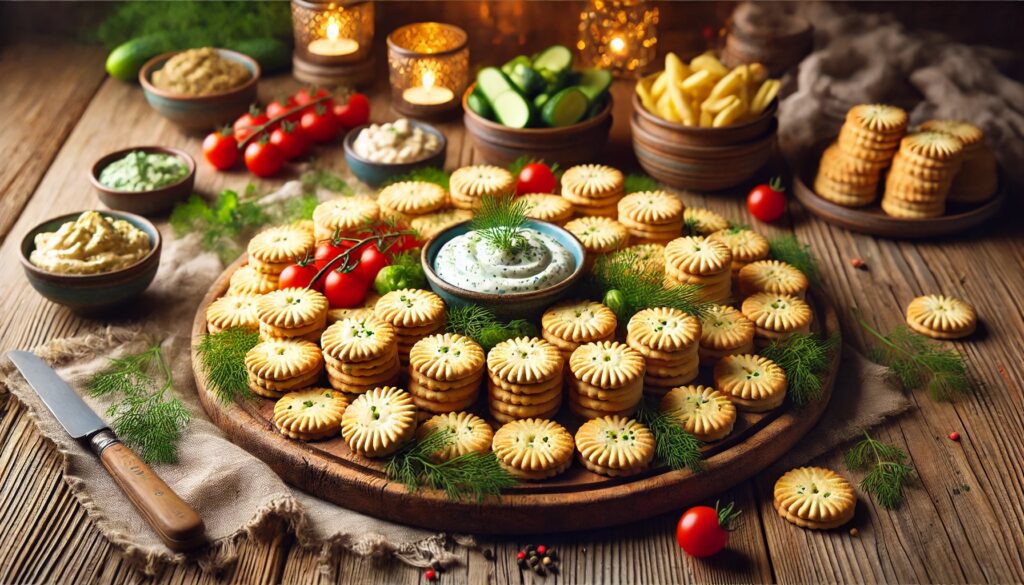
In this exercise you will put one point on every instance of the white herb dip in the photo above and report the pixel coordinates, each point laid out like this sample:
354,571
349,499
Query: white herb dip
471,262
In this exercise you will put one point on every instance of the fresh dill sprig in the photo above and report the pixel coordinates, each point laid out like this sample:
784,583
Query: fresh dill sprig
144,416
889,471
691,226
222,223
222,356
425,174
673,446
320,178
517,165
635,182
639,286
480,324
805,357
500,222
916,361
474,474
788,249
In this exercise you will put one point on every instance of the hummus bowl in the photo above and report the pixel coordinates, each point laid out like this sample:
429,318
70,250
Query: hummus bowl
509,305
92,292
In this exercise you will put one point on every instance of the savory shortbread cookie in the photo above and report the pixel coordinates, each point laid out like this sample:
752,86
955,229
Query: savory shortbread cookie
776,316
232,311
771,276
310,414
546,207
279,365
599,235
468,185
703,222
431,224
571,323
754,383
615,446
703,412
410,198
941,317
724,331
249,281
469,434
379,422
814,497
273,249
533,449
291,313
344,216
745,245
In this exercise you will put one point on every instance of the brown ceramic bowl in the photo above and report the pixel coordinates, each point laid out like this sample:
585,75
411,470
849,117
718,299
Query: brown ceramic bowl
200,112
567,146
153,202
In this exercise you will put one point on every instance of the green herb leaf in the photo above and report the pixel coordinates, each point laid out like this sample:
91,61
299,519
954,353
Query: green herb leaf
222,223
673,446
805,357
473,474
319,178
222,356
425,174
636,182
196,24
888,470
917,362
500,222
640,286
788,249
480,325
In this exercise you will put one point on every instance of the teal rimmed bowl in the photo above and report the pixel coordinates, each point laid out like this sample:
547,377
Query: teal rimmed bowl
375,173
92,292
519,305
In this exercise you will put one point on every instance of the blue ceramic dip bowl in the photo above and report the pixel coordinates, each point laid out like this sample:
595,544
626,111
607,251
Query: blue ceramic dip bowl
92,292
376,173
519,305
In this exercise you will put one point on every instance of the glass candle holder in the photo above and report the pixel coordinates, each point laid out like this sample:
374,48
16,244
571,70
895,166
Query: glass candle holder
620,35
428,64
333,41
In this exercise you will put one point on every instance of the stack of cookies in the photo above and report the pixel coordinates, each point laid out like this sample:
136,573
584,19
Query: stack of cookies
771,276
599,235
921,175
941,317
445,371
361,354
652,216
363,310
776,316
344,216
703,412
431,224
533,448
469,185
549,208
605,378
594,190
273,249
753,383
977,180
814,497
615,446
703,261
850,169
247,281
407,199
524,379
569,324
230,311
745,245
702,222
647,257
279,366
414,313
310,414
724,331
291,313
668,339
469,433
379,422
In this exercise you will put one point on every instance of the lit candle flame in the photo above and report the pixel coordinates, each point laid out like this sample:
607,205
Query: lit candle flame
428,79
333,29
617,44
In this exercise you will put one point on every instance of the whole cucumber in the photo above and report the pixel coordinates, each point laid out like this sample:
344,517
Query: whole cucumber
127,58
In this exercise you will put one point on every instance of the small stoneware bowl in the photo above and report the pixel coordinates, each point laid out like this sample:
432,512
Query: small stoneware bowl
200,112
519,305
152,202
375,173
93,292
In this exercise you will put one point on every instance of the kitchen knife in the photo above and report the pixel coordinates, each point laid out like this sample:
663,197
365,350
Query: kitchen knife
174,521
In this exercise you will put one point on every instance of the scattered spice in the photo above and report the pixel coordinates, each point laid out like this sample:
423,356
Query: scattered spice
854,532
539,559
430,575
857,263
961,489
954,436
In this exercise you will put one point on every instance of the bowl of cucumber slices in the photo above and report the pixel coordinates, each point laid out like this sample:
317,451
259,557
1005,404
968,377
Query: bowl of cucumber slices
540,106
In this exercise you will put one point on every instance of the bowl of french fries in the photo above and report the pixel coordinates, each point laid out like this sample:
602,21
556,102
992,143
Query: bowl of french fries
701,125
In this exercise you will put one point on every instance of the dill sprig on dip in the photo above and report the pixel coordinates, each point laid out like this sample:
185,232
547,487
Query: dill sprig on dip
473,474
222,356
627,284
500,222
673,446
916,361
805,358
480,324
889,471
788,249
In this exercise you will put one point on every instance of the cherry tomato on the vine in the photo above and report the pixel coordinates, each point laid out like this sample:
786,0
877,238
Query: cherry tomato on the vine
355,112
299,275
281,106
704,531
371,261
344,289
318,124
289,140
221,149
536,178
262,158
330,249
766,202
247,123
309,94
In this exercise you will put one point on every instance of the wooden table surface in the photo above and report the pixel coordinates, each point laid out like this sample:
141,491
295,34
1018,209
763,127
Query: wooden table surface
963,520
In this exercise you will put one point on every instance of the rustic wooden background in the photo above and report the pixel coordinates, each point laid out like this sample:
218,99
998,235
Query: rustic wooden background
964,516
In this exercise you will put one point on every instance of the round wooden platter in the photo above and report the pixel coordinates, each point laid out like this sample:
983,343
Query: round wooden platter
574,500
872,220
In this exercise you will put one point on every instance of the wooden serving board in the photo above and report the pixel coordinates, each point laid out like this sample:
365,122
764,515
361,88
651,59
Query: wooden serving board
574,500
872,220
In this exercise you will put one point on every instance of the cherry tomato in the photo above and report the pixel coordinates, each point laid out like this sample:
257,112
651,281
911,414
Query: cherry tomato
221,149
536,178
282,106
319,124
704,531
330,249
371,260
299,275
262,158
289,141
344,289
309,94
246,124
766,201
354,113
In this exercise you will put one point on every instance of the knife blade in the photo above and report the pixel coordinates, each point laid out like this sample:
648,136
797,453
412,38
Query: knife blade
174,521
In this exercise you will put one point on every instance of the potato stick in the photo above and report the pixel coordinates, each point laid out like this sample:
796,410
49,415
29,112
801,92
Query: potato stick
744,93
646,98
706,118
675,68
769,89
711,64
696,80
728,115
730,84
681,105
659,85
713,106
758,73
665,109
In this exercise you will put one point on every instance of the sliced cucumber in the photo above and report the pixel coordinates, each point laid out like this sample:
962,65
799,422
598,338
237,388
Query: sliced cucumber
491,82
512,109
565,108
527,80
594,82
554,58
511,63
540,100
479,104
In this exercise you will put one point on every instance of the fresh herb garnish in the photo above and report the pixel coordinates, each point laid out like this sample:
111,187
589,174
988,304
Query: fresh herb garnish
805,357
640,286
425,174
889,470
636,182
196,24
788,249
145,417
500,222
222,223
691,226
673,446
473,474
916,361
480,324
222,356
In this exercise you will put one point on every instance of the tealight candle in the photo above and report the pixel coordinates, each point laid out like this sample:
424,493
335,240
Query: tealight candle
332,46
428,66
427,94
333,39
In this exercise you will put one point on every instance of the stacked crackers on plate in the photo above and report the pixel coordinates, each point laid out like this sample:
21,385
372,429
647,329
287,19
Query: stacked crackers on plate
414,313
703,261
524,379
921,175
445,372
594,190
360,354
605,378
570,324
651,216
851,168
669,340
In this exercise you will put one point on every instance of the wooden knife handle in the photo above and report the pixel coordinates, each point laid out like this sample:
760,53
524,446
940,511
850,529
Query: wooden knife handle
174,521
